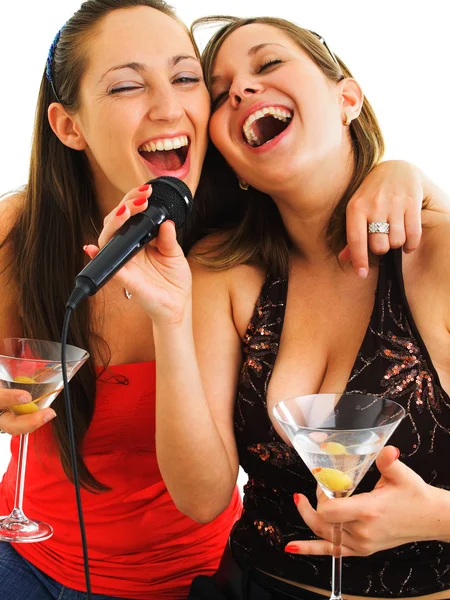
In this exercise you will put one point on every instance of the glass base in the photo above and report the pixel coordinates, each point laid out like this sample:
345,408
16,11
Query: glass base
15,531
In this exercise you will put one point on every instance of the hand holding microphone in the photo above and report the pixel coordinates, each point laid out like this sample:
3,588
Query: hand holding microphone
160,278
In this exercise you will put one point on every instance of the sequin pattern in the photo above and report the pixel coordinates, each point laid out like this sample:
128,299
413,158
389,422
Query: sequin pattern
392,362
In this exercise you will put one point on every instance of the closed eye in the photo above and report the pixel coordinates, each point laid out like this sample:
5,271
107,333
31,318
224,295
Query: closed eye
219,99
269,63
265,65
124,88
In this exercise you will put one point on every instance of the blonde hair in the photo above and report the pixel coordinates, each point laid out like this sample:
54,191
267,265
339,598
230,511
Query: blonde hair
261,237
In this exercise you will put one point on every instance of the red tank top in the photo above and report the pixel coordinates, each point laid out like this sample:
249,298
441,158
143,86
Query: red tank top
140,546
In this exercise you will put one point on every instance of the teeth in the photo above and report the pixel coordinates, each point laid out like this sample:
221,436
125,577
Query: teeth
165,144
278,113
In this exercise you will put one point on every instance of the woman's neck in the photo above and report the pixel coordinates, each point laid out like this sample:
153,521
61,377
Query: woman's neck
306,207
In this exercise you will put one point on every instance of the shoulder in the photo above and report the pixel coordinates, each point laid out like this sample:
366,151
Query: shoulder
429,266
435,246
204,259
9,320
208,246
239,286
10,208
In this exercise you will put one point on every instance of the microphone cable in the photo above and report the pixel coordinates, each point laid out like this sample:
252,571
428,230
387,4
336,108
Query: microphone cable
65,330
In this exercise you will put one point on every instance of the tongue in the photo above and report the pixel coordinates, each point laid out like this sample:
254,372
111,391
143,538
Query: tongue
268,127
167,160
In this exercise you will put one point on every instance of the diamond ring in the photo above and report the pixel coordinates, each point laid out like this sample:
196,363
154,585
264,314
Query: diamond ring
378,227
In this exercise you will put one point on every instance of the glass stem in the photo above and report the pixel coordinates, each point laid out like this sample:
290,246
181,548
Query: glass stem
17,513
336,577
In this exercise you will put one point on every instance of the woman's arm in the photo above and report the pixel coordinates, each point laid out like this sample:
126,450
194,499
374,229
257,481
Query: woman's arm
399,193
196,392
194,402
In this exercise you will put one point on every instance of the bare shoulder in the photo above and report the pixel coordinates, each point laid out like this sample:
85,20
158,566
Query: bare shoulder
428,267
9,318
204,259
238,285
9,211
434,250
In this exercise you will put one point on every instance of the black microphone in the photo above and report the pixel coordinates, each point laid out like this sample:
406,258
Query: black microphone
170,199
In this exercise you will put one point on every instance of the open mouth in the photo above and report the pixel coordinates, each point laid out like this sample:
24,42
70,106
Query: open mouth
265,125
166,154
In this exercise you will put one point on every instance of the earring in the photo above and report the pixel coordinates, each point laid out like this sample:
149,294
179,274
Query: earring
243,186
348,119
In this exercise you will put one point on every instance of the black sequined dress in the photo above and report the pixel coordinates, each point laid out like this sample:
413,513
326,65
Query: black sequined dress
392,362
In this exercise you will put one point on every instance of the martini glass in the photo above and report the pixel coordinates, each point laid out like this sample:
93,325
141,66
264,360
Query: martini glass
34,366
338,436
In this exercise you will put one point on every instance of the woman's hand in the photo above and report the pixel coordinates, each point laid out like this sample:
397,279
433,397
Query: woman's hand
393,192
401,509
27,423
159,276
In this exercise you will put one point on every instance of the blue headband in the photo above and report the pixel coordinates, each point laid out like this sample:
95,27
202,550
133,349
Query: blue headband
49,64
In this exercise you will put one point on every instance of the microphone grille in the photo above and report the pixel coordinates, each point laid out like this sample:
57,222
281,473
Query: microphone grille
174,195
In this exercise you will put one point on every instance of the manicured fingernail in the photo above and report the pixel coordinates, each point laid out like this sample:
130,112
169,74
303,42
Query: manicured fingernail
140,201
144,188
48,417
294,548
121,210
85,250
398,453
362,273
24,399
296,498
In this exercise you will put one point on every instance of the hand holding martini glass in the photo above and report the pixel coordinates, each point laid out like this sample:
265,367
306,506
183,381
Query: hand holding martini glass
338,436
34,366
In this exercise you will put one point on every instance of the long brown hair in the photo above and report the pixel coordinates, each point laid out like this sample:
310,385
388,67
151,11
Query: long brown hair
258,235
59,201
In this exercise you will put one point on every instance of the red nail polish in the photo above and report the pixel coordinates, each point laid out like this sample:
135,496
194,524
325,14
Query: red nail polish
144,188
121,210
140,201
294,548
296,498
85,250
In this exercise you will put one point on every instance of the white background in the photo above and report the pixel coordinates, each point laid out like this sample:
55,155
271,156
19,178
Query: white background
397,49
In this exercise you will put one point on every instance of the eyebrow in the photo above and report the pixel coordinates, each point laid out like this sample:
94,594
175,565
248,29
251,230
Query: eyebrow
256,49
253,50
141,68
